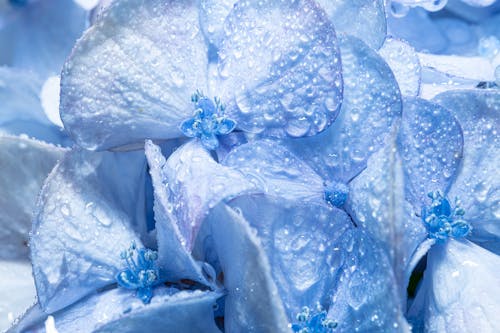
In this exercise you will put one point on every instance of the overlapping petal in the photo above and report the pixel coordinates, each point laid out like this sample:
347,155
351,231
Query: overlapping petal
87,212
430,142
24,164
144,83
119,311
478,184
372,102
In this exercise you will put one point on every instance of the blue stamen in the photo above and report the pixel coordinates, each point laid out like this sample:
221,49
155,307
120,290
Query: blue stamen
141,273
336,194
313,321
208,121
442,221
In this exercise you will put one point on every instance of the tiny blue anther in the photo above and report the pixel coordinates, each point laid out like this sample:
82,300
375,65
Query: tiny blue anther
208,121
141,273
442,221
336,194
313,321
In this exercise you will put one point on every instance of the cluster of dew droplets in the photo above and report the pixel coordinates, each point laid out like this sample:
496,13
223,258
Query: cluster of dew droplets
399,8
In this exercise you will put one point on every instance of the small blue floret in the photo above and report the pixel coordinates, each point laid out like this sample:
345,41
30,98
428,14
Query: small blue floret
141,273
336,194
208,121
313,321
442,221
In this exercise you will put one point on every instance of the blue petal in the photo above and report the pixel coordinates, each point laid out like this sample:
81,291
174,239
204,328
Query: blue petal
33,39
275,170
118,310
430,142
478,184
24,165
452,298
174,253
404,63
372,103
252,303
365,299
418,29
226,126
127,279
209,141
87,210
212,16
17,291
21,108
187,128
364,19
194,183
154,58
376,203
276,80
301,241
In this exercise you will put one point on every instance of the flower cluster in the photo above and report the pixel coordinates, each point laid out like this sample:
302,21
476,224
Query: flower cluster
250,166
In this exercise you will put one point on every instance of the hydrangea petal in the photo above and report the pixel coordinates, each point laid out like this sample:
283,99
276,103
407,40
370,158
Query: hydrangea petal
364,19
472,68
301,241
212,16
118,310
419,30
17,291
376,203
452,298
365,299
279,70
478,184
175,259
469,13
195,183
252,303
40,36
144,87
86,214
21,107
24,165
275,170
372,102
404,63
430,142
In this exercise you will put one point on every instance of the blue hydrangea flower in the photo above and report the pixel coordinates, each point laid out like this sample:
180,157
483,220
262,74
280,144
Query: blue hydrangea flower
268,80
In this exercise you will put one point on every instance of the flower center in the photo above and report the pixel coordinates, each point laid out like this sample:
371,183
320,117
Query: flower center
141,273
208,121
442,221
313,321
336,194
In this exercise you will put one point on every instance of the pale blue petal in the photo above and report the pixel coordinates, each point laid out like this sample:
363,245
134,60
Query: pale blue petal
152,58
364,19
460,291
39,35
419,30
17,291
276,171
175,259
430,142
225,126
472,14
478,181
253,302
24,165
376,203
118,310
212,16
302,243
85,217
279,70
365,299
404,63
21,109
194,183
372,102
